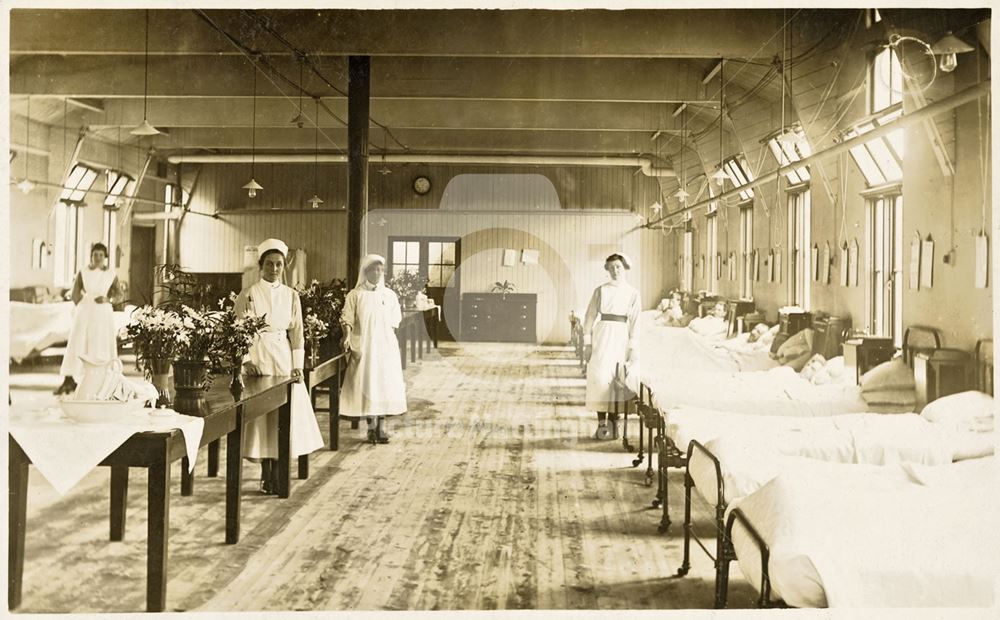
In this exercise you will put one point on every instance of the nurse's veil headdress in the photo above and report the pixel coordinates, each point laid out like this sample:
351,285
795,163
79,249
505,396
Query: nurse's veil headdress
367,261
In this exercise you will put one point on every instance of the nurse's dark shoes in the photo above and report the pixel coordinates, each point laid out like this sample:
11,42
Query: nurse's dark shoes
68,387
372,436
603,431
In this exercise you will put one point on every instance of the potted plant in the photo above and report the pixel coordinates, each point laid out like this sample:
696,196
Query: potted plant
504,288
191,364
156,335
325,301
233,338
406,285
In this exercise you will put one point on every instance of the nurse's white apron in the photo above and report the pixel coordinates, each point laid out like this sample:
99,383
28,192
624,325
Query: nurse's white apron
93,332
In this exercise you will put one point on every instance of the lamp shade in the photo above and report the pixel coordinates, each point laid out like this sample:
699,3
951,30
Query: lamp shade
315,201
252,187
145,129
950,44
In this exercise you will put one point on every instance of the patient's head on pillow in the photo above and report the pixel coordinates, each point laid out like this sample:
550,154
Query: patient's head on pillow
719,310
758,331
813,366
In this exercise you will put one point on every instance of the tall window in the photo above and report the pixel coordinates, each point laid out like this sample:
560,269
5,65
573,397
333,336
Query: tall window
746,250
117,184
687,260
885,81
68,241
405,257
799,252
440,262
881,160
111,235
81,178
885,259
712,252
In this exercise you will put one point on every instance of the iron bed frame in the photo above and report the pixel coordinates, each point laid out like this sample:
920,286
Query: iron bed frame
725,551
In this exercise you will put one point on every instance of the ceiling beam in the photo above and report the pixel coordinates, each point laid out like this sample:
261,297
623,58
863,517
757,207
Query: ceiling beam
552,79
418,114
699,33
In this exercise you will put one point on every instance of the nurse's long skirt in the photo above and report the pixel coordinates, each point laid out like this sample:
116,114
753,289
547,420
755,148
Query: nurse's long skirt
609,346
273,355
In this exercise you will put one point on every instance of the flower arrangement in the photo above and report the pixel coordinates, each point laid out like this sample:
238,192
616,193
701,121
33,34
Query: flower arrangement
201,329
504,288
315,328
406,285
234,335
155,334
324,301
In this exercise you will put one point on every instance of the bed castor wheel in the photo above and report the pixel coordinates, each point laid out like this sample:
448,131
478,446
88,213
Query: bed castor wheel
656,503
663,529
683,571
636,462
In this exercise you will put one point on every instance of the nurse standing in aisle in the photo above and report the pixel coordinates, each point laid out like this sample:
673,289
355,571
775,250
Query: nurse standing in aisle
612,327
278,350
373,385
93,332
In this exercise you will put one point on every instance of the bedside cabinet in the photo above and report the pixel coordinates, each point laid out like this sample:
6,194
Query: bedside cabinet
866,352
734,311
939,373
794,322
491,317
830,331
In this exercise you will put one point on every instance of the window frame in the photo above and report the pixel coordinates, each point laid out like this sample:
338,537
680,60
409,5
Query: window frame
739,174
795,147
798,211
884,253
78,183
746,250
712,250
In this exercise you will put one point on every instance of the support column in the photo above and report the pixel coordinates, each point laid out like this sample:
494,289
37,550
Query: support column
358,98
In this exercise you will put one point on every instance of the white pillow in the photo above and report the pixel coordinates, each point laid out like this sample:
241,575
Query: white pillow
835,366
972,410
966,445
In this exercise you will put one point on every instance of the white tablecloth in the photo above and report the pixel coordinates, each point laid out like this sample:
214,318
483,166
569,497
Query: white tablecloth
64,451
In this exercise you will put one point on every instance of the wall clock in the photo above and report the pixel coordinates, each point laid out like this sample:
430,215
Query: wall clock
421,185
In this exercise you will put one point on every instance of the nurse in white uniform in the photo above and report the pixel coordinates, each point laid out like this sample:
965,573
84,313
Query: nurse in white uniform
373,384
93,332
612,327
278,350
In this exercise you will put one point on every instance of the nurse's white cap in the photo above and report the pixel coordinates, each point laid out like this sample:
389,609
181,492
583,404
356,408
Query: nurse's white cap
267,245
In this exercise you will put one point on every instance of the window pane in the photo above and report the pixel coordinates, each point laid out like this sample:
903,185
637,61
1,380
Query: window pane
447,275
75,175
434,275
413,251
895,139
871,172
448,253
886,162
398,270
434,253
398,253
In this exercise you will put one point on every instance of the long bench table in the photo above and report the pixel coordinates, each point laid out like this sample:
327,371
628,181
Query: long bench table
156,451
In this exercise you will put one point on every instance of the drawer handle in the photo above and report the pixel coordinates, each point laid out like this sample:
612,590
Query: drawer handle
524,316
524,329
475,316
474,328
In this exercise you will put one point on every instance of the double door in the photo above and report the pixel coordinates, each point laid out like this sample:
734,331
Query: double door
438,259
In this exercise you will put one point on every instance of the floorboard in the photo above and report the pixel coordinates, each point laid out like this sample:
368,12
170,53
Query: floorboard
491,495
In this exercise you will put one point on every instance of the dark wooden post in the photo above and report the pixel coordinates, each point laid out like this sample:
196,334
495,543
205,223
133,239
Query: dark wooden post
358,92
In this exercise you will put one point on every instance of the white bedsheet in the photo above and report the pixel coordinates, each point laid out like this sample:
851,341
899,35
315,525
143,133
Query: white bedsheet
34,327
869,536
776,392
665,350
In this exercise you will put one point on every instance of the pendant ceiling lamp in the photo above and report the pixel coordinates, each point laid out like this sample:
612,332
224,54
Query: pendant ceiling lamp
25,185
720,176
948,49
300,120
316,201
145,129
253,186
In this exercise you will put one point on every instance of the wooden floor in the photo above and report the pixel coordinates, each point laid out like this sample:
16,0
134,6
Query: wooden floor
491,496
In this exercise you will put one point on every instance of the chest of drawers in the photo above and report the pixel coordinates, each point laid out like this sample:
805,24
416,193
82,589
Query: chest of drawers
492,317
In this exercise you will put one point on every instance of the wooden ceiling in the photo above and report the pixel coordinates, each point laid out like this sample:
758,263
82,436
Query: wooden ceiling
584,82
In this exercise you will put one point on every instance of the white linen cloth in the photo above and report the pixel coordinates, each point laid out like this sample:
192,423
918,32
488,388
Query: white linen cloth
64,451
867,536
373,383
93,333
34,327
612,342
273,353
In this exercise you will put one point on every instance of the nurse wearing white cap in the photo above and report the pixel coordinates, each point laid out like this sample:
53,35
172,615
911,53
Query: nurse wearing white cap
373,384
612,327
278,350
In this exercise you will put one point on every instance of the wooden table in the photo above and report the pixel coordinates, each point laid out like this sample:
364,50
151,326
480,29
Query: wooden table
318,375
413,329
156,451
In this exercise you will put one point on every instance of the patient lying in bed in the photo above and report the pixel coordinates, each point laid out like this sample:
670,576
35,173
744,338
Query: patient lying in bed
672,311
712,326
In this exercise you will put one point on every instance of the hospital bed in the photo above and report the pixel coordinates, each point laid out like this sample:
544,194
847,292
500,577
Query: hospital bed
780,392
730,456
833,535
35,327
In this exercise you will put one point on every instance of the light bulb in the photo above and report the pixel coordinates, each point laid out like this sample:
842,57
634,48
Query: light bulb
252,187
25,186
252,192
948,62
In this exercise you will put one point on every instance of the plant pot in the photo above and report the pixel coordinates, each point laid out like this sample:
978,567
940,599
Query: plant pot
159,369
190,382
